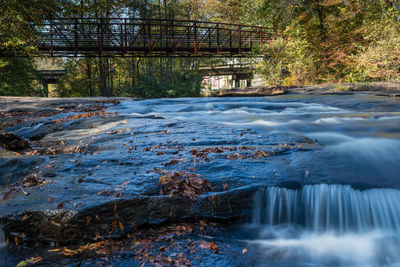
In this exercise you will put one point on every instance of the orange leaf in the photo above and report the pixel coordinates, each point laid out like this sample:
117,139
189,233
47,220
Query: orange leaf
121,226
25,217
224,186
88,219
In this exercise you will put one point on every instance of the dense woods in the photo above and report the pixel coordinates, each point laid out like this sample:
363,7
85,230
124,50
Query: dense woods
317,41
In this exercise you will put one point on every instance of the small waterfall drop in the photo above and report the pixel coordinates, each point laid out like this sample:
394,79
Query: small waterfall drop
326,225
337,208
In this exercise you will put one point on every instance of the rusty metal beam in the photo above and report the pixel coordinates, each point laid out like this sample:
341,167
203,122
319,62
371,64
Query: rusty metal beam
72,37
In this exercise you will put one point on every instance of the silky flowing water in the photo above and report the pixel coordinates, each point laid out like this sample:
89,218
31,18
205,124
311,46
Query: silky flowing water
329,225
344,207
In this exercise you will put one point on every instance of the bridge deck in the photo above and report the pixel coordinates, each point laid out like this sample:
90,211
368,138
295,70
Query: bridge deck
150,37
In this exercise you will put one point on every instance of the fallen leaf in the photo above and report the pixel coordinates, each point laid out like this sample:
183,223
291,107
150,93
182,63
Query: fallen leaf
22,263
25,217
172,162
224,186
121,226
60,206
88,219
55,250
56,224
6,195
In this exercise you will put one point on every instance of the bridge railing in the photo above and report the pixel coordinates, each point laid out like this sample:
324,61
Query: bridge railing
147,37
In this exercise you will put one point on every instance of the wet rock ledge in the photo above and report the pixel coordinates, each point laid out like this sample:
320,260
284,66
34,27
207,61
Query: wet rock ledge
121,216
77,170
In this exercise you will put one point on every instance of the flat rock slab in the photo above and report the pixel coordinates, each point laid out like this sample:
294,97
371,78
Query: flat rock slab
86,166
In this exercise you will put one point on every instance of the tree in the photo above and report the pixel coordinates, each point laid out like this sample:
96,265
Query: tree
17,36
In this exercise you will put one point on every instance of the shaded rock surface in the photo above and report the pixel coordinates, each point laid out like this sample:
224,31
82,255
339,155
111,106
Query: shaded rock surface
14,169
13,142
71,226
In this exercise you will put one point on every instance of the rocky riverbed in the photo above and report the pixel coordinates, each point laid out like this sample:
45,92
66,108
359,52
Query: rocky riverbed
172,181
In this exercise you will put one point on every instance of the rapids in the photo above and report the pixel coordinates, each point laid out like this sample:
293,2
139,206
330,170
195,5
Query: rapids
356,138
328,193
343,208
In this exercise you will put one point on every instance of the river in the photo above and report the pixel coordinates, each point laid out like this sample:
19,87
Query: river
346,210
328,191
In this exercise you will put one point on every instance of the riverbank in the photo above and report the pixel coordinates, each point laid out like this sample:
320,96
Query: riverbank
390,89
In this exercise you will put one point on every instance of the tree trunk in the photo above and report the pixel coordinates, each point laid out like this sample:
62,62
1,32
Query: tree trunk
321,22
133,67
89,77
103,78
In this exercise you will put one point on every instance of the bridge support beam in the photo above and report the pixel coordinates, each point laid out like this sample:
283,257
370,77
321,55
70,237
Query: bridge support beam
248,82
236,82
50,77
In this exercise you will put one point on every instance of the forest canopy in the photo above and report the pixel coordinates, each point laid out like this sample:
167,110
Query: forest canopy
317,41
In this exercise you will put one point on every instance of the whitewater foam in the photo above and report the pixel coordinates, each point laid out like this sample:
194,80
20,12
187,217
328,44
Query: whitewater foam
327,225
336,208
329,249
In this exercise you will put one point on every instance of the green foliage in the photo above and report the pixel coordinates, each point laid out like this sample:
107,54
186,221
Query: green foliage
342,88
380,60
17,77
80,79
132,77
184,85
330,41
288,60
317,41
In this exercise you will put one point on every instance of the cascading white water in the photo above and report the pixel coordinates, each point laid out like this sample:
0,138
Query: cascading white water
338,208
327,225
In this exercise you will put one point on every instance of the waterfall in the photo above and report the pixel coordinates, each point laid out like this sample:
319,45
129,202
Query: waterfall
338,208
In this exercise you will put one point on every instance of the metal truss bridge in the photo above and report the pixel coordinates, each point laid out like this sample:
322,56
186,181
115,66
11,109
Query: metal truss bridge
147,37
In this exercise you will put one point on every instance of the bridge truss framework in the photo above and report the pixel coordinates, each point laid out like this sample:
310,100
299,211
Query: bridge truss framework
147,37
